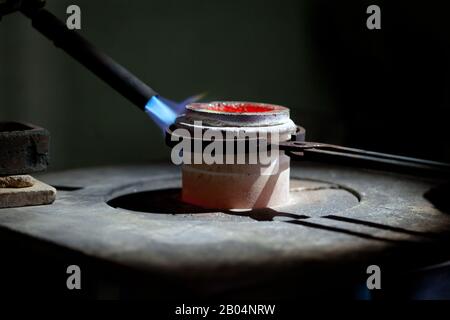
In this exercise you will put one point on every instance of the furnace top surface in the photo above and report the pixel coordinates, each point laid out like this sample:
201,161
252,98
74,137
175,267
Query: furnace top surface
391,223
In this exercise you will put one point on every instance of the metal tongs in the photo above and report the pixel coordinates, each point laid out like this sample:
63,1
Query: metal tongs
312,151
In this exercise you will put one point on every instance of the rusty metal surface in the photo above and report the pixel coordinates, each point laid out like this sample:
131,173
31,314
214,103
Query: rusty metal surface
345,219
24,148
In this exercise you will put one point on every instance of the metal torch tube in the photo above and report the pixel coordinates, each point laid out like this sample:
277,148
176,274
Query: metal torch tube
119,78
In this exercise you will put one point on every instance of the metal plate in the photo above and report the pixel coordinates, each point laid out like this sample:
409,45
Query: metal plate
362,217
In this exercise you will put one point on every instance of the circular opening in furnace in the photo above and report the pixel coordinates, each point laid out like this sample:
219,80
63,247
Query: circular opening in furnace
309,198
237,107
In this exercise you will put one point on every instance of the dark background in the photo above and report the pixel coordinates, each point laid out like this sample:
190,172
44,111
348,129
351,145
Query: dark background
384,90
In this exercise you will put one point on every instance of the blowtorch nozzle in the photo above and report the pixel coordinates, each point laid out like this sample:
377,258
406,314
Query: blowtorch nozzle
164,111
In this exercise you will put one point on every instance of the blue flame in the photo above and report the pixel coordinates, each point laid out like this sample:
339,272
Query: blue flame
164,111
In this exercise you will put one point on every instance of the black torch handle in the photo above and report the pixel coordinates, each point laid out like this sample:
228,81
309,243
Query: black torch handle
119,78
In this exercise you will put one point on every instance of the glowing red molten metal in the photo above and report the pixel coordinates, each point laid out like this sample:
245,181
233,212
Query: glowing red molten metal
240,108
